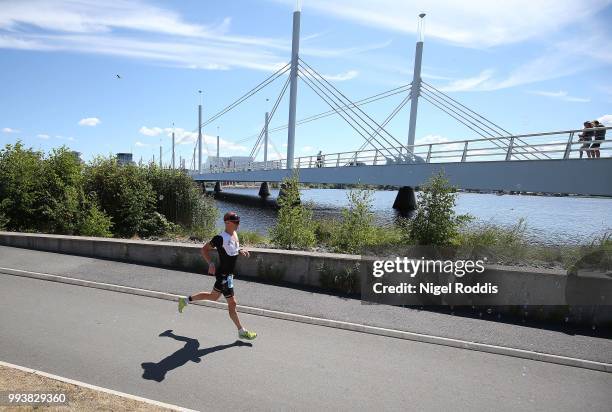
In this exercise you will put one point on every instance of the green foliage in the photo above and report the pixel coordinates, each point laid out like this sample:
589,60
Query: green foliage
58,194
124,194
356,229
491,239
294,226
345,280
95,222
435,222
249,238
594,257
3,221
204,213
21,187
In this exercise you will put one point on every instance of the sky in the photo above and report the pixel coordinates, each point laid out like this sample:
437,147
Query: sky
121,76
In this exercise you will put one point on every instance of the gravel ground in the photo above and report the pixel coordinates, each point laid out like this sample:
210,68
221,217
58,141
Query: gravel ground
79,398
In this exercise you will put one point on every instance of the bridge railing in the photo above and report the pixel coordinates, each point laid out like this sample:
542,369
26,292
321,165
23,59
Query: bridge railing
537,146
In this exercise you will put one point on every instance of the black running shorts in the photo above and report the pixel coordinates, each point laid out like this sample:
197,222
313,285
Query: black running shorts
221,286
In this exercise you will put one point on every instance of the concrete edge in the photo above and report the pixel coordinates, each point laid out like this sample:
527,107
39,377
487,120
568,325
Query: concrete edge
97,388
393,333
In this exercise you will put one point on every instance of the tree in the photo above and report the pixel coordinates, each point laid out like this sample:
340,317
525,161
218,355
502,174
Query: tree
435,222
294,226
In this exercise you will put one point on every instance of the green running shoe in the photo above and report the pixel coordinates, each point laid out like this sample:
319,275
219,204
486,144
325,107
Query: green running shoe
248,335
181,304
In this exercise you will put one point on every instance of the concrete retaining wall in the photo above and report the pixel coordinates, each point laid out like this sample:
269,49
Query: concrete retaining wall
536,287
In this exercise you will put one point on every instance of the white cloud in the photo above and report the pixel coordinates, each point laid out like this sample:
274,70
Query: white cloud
89,26
351,74
562,95
340,77
9,130
475,23
554,63
140,144
469,83
606,119
185,137
43,136
89,121
154,131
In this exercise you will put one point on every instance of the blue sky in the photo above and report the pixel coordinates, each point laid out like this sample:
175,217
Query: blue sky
528,66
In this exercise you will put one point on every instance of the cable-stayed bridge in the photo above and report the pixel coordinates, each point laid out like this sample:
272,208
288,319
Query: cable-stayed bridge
549,162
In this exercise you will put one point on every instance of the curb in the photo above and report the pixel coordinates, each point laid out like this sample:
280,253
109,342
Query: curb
392,333
97,388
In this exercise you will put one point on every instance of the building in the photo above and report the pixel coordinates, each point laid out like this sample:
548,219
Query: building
230,161
124,159
77,156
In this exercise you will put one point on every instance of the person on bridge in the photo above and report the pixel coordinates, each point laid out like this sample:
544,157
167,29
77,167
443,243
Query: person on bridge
586,136
228,247
320,159
600,135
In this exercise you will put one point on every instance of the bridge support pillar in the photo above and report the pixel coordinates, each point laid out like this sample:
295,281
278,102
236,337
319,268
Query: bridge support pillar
405,201
264,190
217,188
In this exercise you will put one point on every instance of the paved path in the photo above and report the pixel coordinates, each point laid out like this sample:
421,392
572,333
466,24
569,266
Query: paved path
584,344
104,338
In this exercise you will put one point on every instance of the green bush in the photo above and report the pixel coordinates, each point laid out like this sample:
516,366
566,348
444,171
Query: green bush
21,187
95,222
124,194
356,229
435,222
294,226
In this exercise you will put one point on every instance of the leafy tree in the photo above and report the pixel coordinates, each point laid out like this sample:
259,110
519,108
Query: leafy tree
294,226
124,194
356,229
435,222
21,187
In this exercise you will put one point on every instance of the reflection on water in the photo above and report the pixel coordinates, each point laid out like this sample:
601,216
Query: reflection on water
551,220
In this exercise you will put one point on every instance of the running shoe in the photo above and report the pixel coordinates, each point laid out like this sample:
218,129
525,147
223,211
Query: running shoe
181,304
248,335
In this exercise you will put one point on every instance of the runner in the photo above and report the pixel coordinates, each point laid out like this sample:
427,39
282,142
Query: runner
228,247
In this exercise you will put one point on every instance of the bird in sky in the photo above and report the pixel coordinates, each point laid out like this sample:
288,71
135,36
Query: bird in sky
118,76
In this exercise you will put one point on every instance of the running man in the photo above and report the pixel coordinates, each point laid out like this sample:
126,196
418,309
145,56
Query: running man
228,247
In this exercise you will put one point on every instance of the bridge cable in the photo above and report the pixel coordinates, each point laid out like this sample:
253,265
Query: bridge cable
351,113
313,86
248,94
321,79
255,150
390,117
371,99
487,135
505,132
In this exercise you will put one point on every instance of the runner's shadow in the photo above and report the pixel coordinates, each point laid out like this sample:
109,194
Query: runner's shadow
189,352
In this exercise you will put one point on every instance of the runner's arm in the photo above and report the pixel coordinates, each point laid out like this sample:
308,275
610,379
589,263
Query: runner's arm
206,255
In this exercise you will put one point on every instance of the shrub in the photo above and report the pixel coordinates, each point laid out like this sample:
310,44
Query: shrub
124,194
435,222
21,187
356,229
95,222
294,226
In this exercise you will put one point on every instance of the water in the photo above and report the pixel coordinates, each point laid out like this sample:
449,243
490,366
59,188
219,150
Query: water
550,220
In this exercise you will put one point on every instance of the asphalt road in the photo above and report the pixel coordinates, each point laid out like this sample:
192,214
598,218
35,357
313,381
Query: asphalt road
104,338
492,329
